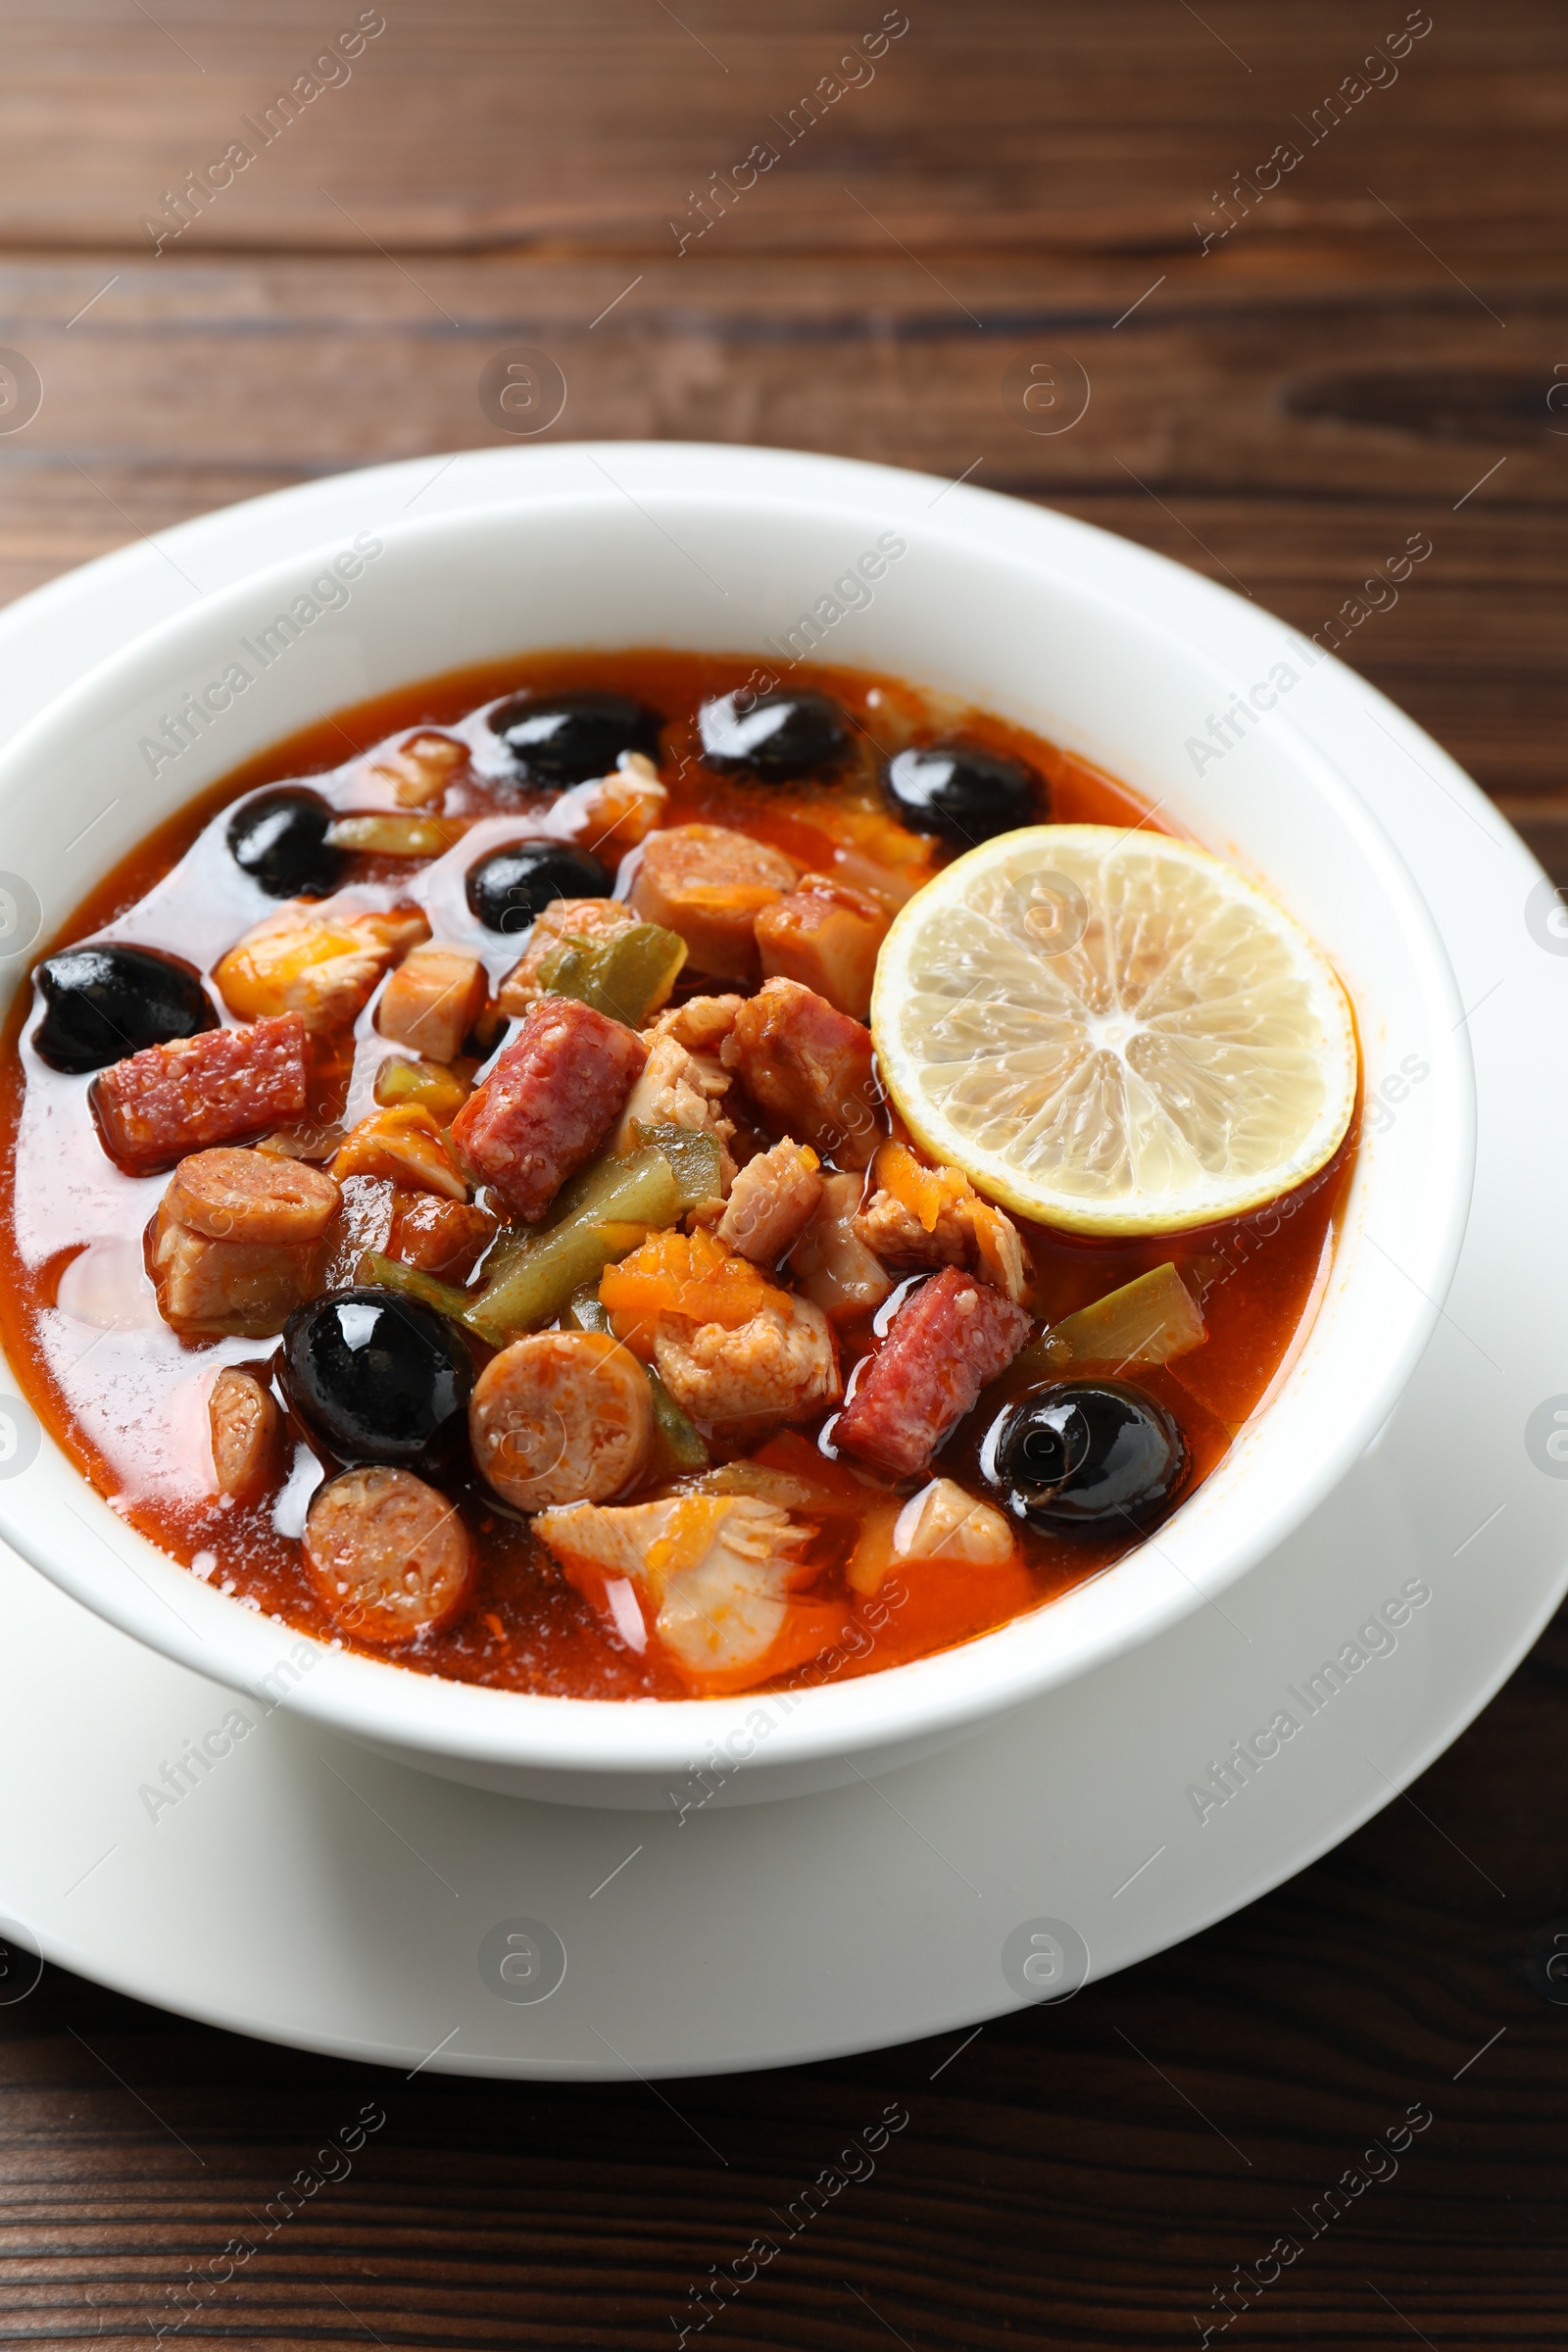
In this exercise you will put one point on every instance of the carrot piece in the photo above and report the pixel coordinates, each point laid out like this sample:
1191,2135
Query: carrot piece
924,1192
692,1275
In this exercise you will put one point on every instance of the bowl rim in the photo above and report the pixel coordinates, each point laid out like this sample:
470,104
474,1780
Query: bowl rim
382,1701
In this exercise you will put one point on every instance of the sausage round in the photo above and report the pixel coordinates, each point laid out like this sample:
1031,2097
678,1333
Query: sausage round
245,1424
234,1195
388,1555
710,885
561,1416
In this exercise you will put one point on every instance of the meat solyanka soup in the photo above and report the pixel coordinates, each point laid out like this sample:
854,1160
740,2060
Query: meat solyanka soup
621,1176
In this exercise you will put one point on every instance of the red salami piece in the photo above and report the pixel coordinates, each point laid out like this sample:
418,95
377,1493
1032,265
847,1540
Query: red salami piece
548,1104
217,1088
808,1069
946,1342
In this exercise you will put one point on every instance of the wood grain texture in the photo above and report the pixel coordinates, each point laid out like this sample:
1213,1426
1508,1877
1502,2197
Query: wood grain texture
1370,351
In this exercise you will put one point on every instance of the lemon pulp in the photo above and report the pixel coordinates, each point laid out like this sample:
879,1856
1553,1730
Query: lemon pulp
1112,1031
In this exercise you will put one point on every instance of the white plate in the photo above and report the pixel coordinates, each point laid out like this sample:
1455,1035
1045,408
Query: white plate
304,1891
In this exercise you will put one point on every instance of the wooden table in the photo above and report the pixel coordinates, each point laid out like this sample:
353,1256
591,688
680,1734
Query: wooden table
1368,348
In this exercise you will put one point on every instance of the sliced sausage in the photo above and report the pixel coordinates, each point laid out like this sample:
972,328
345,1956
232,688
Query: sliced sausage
561,1416
245,1424
217,1087
251,1196
553,1095
710,885
808,1069
947,1341
388,1555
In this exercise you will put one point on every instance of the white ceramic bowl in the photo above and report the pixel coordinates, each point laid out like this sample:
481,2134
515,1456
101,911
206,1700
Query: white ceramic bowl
1017,610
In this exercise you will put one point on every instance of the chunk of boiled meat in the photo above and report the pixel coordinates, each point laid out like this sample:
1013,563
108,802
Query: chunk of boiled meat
714,1574
771,1202
809,1070
238,1242
779,1366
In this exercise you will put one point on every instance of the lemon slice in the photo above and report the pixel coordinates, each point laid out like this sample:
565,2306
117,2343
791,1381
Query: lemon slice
1112,1031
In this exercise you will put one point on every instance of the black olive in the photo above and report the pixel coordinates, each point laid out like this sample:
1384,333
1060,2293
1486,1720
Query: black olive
775,736
280,840
379,1378
510,887
1086,1453
103,1002
962,792
567,738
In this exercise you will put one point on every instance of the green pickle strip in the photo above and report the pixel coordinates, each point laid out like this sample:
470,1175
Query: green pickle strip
390,1274
679,1447
585,1309
623,977
602,1215
692,1153
535,1276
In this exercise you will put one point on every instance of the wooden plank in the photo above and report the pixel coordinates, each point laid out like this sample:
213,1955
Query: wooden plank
998,125
1405,390
1283,446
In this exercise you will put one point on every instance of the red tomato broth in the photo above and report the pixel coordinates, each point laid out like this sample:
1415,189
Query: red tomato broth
528,1627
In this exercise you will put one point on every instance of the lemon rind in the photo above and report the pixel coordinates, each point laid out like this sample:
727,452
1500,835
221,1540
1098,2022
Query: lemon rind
1038,1204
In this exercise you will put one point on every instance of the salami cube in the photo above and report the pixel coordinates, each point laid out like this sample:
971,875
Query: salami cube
216,1088
948,1341
551,1100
